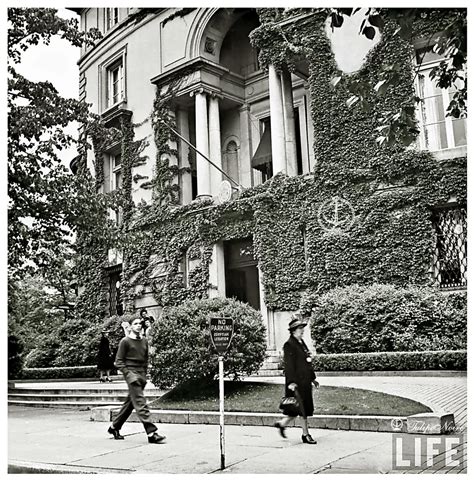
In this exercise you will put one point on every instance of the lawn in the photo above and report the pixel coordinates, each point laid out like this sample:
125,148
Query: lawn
265,397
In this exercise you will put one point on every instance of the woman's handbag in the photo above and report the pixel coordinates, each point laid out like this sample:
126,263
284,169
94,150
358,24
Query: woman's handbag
290,406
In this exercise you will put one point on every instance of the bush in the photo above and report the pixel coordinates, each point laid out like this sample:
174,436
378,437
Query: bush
15,361
181,345
384,318
87,371
76,342
434,360
44,354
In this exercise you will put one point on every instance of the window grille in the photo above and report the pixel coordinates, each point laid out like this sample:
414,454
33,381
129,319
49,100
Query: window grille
451,249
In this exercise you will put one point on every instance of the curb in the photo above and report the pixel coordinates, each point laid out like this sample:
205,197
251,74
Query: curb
46,468
368,423
394,373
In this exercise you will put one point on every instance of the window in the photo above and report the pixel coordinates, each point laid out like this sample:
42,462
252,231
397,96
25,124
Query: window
112,17
116,167
437,131
451,251
116,182
115,83
115,296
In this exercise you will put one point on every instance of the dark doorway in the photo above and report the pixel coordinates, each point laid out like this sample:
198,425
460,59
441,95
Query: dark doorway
241,273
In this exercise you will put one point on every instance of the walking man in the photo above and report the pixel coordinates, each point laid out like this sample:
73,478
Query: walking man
132,360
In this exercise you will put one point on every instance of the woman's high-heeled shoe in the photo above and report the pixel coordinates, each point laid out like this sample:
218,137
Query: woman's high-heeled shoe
102,380
109,380
308,439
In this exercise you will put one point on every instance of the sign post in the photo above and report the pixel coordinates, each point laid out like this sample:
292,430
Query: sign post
221,330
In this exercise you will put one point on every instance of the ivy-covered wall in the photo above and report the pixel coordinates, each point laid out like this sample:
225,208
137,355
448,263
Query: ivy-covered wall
392,191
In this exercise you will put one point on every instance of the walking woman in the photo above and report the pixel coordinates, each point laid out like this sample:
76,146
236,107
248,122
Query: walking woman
105,362
299,376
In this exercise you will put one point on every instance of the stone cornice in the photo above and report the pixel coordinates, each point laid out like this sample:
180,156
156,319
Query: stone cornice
194,65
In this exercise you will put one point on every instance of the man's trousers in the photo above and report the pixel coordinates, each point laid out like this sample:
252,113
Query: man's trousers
136,381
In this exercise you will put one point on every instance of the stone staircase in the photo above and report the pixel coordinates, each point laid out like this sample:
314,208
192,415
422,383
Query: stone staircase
271,366
80,396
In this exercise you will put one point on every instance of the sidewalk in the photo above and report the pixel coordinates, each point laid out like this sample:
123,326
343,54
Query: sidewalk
66,441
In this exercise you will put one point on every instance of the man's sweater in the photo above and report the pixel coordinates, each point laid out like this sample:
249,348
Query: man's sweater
132,353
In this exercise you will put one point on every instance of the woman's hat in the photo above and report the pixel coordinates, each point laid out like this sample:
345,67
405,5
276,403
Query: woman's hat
297,321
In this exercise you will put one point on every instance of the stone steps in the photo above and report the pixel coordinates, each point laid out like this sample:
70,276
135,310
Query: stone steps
82,397
271,367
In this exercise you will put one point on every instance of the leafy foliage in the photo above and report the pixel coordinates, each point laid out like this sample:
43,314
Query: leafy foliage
450,43
40,189
181,343
87,371
398,361
385,318
15,360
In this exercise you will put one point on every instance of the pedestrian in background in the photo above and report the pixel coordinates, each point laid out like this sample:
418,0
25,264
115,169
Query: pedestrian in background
132,360
299,376
147,321
105,361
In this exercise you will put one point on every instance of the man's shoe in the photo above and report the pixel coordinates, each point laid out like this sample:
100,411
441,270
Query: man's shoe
281,429
115,433
308,439
155,438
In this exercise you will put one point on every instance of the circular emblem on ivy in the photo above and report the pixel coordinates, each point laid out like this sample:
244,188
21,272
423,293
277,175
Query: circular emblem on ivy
336,215
225,191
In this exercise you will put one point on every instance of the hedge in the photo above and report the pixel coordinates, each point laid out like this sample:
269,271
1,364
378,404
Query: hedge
427,360
387,318
88,371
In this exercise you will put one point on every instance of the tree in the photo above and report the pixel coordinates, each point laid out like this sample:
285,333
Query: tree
447,37
33,309
40,189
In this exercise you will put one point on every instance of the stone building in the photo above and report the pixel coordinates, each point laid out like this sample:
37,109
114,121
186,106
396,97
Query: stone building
241,125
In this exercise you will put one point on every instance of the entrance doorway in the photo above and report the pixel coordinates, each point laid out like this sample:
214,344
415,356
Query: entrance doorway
241,272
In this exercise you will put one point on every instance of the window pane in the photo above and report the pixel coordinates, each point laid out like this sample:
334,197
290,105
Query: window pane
434,109
459,130
426,55
435,135
117,160
118,179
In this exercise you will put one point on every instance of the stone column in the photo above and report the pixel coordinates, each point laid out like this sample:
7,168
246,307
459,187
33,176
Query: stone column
246,179
309,127
217,271
304,138
182,122
289,122
276,121
267,314
215,150
202,145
